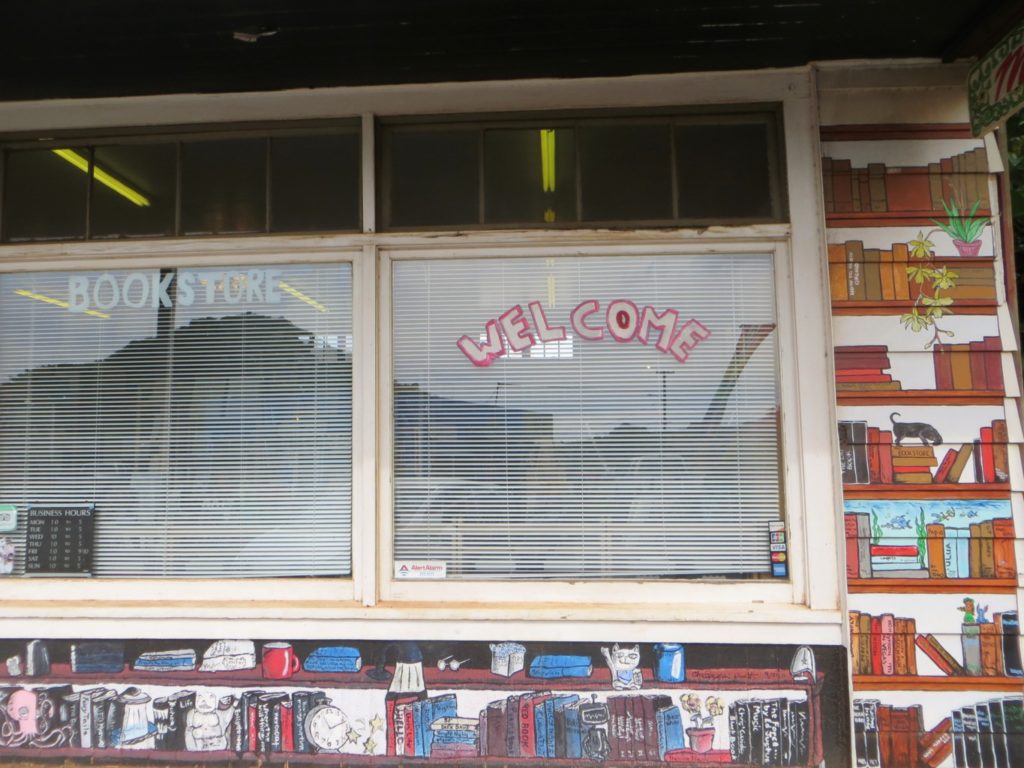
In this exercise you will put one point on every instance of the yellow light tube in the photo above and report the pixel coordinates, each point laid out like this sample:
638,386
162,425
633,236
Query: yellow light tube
57,302
547,159
103,177
301,296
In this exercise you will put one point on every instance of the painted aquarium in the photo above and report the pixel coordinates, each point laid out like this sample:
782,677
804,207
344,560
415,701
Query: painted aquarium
401,702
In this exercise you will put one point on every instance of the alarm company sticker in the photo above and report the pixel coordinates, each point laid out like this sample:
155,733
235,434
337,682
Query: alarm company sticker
426,570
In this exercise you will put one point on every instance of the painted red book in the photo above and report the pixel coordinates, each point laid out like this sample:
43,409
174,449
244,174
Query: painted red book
937,744
858,369
876,645
874,455
410,732
915,723
885,733
390,711
852,557
899,737
943,364
945,465
988,468
1000,451
993,363
977,363
842,376
942,658
893,550
689,756
842,185
888,648
527,723
885,456
287,727
1002,548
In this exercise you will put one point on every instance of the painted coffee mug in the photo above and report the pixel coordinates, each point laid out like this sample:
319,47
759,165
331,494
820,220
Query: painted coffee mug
279,661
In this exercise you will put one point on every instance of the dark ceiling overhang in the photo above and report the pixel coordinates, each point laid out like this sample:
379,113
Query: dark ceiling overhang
59,49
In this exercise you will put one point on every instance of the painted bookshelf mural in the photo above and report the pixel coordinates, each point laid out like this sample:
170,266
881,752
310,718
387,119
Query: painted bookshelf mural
929,447
400,702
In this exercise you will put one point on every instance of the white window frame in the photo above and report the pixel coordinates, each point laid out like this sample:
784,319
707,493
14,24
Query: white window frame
164,254
807,608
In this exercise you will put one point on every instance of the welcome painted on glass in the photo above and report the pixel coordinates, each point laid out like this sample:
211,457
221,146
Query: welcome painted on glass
622,319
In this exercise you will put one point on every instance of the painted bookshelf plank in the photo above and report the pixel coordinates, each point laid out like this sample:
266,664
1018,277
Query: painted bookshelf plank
917,586
925,683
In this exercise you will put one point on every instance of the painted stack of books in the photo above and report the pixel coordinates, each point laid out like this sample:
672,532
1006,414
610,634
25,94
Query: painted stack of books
768,732
976,365
862,369
549,725
412,733
993,648
981,551
913,464
890,737
991,733
989,455
857,273
882,645
876,188
866,453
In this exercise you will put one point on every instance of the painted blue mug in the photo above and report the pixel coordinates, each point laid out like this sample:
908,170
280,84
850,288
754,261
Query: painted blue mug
670,663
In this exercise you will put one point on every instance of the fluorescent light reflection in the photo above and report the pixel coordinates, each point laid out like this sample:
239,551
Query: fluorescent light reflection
301,296
103,177
57,302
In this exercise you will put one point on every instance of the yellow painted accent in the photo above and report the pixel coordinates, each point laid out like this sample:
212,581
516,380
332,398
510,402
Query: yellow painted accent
302,297
103,177
57,302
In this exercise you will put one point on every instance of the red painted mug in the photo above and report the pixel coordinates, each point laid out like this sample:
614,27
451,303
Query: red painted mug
279,661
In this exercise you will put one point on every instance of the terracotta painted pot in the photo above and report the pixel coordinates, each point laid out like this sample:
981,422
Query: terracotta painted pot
972,248
701,739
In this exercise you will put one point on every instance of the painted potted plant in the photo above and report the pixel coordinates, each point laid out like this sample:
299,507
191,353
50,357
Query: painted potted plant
964,228
701,736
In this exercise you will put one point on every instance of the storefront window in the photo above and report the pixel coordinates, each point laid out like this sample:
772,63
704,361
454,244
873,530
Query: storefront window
204,414
586,417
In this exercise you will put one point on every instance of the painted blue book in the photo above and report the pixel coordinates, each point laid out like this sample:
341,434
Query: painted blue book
548,710
670,729
436,708
962,543
455,730
1008,624
419,709
334,658
445,736
540,728
550,665
573,733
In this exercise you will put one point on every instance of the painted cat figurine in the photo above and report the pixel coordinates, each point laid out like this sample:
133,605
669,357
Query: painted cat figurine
623,663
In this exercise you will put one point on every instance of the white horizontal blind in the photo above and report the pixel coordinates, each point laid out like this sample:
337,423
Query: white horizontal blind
578,458
206,413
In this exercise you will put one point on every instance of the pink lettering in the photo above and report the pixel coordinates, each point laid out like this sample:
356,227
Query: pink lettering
482,355
545,332
690,335
514,325
665,323
622,317
583,310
